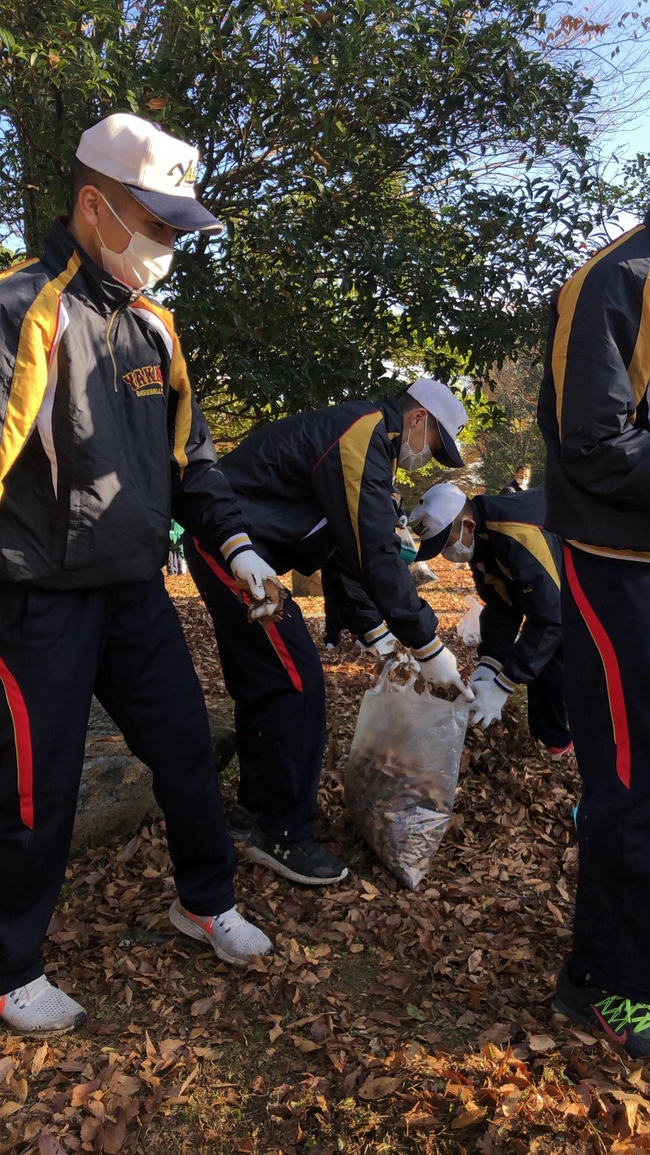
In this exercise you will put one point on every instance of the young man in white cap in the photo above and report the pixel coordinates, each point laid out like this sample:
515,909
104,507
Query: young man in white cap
515,566
100,440
310,484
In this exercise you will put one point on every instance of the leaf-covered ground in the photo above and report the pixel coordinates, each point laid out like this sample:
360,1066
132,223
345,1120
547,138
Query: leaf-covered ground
385,1022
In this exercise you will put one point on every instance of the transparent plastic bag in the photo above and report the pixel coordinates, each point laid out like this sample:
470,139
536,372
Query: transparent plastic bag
402,773
469,628
409,544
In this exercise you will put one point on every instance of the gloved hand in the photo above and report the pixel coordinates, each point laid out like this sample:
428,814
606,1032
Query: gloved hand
442,670
485,673
488,703
384,646
249,567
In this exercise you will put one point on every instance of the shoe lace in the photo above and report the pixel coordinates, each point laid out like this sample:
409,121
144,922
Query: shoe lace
229,920
620,1012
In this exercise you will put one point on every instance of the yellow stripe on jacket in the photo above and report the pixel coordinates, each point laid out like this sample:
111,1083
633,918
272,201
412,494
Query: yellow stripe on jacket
18,267
353,447
566,307
639,367
532,538
179,381
29,380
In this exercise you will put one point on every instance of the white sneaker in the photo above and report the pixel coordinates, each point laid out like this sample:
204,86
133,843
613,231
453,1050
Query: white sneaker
235,940
40,1009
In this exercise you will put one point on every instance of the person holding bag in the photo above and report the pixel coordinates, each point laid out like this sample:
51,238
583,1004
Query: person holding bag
310,484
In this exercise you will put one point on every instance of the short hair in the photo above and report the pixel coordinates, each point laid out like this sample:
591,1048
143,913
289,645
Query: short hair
406,401
520,467
81,175
466,511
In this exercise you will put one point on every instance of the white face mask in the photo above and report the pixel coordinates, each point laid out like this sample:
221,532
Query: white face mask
143,261
409,460
458,551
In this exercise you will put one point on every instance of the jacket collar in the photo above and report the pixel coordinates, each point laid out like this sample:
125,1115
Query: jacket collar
92,283
394,421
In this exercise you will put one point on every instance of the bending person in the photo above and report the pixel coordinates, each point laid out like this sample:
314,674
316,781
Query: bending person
309,484
515,566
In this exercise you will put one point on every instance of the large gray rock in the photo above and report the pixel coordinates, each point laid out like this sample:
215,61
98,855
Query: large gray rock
115,792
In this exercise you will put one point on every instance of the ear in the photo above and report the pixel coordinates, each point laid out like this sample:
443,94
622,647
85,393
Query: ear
88,204
417,416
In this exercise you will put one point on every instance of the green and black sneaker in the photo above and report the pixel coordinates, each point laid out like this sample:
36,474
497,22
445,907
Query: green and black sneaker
626,1023
623,1021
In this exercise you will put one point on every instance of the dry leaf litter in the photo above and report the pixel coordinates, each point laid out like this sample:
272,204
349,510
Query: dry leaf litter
387,1021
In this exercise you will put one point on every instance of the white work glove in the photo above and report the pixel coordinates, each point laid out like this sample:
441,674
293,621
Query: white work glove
488,703
442,670
249,567
383,645
485,673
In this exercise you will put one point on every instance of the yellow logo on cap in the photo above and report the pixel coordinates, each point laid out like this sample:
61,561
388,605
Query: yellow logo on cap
188,172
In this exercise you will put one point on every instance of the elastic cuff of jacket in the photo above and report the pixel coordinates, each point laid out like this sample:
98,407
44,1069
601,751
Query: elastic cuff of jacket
504,683
491,664
376,635
236,544
431,650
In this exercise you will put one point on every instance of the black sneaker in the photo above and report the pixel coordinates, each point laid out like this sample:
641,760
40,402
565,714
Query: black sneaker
623,1021
240,822
574,1000
301,861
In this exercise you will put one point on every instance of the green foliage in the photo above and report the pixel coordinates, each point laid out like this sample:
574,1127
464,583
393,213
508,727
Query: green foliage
400,179
503,425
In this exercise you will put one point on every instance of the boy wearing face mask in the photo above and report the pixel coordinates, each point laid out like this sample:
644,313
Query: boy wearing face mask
515,566
311,484
101,441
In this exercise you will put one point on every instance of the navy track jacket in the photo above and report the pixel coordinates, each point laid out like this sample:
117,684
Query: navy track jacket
325,478
516,570
100,436
593,405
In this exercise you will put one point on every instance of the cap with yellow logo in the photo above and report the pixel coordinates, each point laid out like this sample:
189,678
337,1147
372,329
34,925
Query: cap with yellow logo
157,169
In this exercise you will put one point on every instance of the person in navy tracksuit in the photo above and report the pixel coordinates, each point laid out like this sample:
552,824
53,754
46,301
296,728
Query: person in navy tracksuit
309,485
593,413
515,565
101,441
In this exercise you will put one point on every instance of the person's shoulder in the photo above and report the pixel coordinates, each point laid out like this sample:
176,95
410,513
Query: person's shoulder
23,280
523,506
21,286
152,309
628,256
356,408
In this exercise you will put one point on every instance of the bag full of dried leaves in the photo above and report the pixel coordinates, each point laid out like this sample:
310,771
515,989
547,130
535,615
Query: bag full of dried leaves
402,772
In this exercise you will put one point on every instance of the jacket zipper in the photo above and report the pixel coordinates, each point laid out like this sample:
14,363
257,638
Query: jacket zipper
110,347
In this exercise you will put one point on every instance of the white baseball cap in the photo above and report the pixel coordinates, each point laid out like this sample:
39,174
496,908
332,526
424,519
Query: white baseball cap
448,411
157,169
435,514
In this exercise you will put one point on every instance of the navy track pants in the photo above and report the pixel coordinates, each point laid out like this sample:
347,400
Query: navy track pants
275,677
547,712
125,644
606,628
